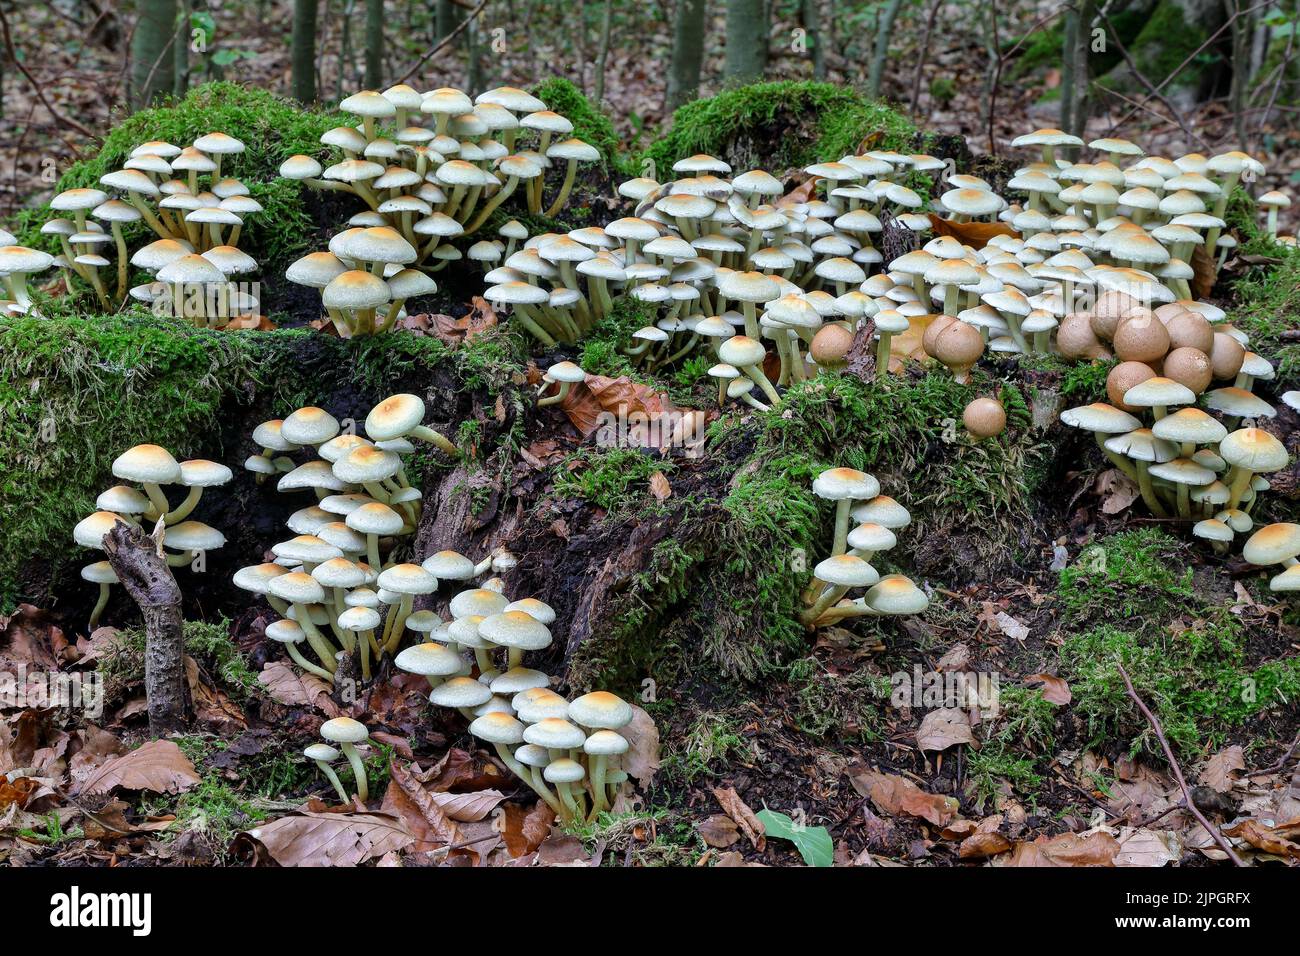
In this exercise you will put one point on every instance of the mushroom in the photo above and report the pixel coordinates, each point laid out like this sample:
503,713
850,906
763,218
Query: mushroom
323,755
844,486
604,713
984,418
1250,451
347,733
101,573
567,374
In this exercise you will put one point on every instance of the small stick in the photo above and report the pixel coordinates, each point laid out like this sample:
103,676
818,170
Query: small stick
1213,831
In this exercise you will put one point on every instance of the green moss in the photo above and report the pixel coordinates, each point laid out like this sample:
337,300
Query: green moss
1165,41
1143,575
708,748
589,124
836,706
1016,740
614,479
272,129
792,123
208,643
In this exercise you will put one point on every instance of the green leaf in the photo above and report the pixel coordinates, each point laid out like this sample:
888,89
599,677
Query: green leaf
813,843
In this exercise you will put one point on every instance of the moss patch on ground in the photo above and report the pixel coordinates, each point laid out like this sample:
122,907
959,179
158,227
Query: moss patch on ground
782,124
1130,600
270,127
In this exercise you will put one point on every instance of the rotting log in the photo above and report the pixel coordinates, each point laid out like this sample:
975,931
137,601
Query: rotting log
138,560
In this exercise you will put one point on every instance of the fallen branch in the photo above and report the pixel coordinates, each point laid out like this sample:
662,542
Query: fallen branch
1152,719
139,563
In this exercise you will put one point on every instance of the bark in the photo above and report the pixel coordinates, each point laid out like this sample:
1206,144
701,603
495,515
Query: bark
688,53
152,63
746,45
884,34
304,50
181,49
810,14
135,558
374,44
445,19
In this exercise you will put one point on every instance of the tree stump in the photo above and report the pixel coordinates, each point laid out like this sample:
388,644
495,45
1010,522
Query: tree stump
140,565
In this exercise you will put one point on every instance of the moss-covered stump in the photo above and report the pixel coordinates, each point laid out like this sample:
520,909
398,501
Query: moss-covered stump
76,392
778,126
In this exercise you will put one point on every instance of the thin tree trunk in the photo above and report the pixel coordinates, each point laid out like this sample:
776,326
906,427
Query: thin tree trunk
473,63
444,19
181,49
688,53
304,50
1082,105
152,63
1069,40
746,46
810,14
602,56
923,56
374,44
144,573
884,34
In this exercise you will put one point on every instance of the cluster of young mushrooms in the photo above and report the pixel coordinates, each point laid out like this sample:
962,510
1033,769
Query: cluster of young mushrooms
192,206
857,496
146,469
431,167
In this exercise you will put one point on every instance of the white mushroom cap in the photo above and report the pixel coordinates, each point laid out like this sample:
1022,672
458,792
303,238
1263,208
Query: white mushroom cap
344,730
555,733
431,660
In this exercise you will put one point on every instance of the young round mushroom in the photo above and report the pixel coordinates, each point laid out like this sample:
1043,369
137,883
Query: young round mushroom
984,418
347,733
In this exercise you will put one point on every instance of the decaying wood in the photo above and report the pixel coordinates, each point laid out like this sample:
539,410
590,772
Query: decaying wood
141,568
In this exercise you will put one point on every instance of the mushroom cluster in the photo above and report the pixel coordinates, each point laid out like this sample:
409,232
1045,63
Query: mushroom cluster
725,266
194,208
17,264
340,579
431,167
145,469
1186,461
876,517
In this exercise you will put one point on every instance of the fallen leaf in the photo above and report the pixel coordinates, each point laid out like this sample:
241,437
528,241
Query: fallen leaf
973,234
659,486
741,815
468,807
406,799
1218,770
1143,847
331,839
524,830
259,323
944,728
288,687
1011,627
1263,838
158,766
642,758
1067,849
1117,491
977,846
893,794
1055,690
718,831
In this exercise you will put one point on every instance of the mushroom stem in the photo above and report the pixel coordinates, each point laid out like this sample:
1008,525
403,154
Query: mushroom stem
157,499
565,189
333,778
358,770
182,511
1149,491
829,597
315,638
557,398
1240,482
120,240
756,373
840,541
571,809
426,433
398,624
99,607
520,771
308,666
491,206
598,801
882,355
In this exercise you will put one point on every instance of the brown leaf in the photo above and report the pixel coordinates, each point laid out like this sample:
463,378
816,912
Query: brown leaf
944,728
622,397
523,831
407,800
642,758
158,766
1143,847
1055,690
478,320
1218,770
259,323
468,807
1204,271
977,846
288,687
973,234
331,839
1068,849
29,639
741,815
718,831
1264,838
893,794
659,486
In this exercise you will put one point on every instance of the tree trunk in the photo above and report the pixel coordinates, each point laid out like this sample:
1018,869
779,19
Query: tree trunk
810,14
445,19
1082,86
181,49
688,53
144,573
880,55
304,50
152,63
746,45
374,44
1069,40
602,56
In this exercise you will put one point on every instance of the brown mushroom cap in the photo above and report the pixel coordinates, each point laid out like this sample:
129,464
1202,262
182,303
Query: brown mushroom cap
1110,309
984,418
831,344
1141,337
1188,366
958,344
1077,339
931,334
1189,330
1123,377
1226,356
